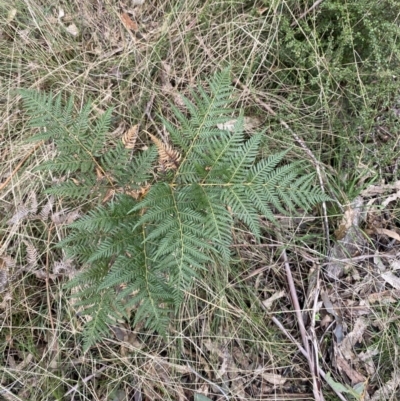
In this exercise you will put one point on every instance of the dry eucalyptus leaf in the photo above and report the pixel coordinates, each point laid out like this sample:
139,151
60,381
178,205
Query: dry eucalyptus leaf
352,239
374,190
395,264
269,302
391,199
385,297
249,124
392,279
127,336
353,375
128,23
72,29
355,336
11,15
61,13
346,223
273,378
389,233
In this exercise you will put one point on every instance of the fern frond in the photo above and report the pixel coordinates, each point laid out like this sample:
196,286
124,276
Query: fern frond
46,111
98,132
243,159
130,136
205,115
101,316
217,220
106,218
144,249
75,190
242,207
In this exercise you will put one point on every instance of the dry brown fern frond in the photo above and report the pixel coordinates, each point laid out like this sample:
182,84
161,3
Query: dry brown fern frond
64,217
168,157
47,208
6,263
33,203
139,193
31,254
130,137
24,211
20,214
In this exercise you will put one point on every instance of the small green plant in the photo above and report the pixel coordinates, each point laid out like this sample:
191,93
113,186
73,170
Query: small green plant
174,205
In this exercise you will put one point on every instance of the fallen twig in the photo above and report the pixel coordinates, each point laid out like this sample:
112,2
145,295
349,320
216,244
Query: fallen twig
85,380
304,352
209,382
310,359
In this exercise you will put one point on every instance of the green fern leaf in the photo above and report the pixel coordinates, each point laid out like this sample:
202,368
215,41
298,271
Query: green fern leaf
143,254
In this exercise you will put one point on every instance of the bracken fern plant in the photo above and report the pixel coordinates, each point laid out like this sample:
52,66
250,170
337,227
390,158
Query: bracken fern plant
173,205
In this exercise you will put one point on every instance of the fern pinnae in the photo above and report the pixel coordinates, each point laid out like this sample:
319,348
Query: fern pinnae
261,170
260,202
60,124
235,197
244,159
150,310
100,128
218,100
180,137
222,146
217,221
100,320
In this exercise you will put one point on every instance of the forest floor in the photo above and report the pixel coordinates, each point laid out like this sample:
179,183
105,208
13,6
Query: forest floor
311,312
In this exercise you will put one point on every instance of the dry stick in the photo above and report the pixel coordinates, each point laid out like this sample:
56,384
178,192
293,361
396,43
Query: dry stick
8,395
209,382
85,380
311,362
5,183
312,325
315,5
304,352
268,108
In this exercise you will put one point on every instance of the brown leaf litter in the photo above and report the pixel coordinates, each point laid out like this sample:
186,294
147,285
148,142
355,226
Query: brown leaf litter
360,278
